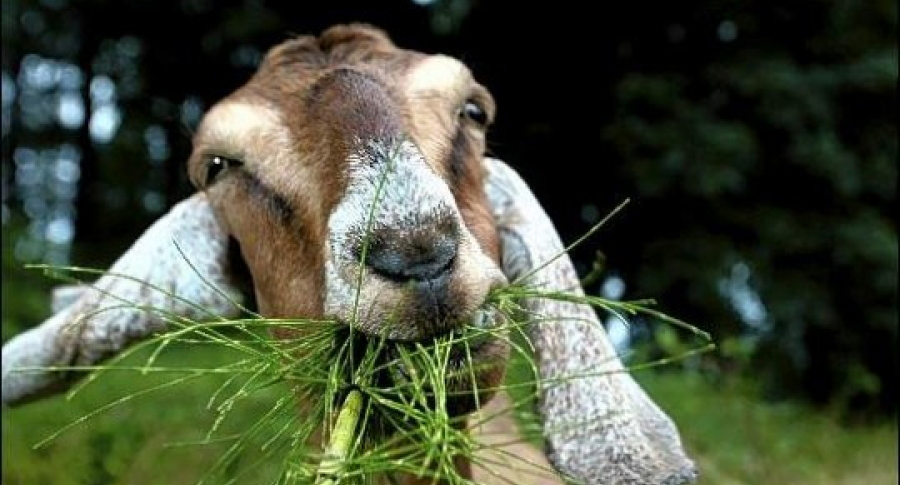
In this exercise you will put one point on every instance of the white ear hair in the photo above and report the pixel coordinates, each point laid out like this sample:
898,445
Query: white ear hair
177,268
600,428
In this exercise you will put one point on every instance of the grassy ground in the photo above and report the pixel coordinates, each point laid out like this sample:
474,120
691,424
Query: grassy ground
735,439
135,442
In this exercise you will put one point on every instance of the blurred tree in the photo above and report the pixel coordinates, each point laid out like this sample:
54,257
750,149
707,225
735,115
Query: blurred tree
767,181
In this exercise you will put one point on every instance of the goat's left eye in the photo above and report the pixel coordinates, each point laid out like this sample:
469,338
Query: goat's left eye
216,165
474,112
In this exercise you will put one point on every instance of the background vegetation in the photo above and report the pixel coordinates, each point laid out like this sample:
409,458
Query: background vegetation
757,142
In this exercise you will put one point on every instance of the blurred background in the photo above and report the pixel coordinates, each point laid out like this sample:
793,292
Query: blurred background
755,141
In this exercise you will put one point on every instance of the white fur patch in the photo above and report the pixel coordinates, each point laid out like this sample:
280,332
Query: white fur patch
440,74
407,190
240,129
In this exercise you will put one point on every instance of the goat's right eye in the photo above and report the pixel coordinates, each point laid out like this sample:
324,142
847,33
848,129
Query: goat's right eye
474,112
216,165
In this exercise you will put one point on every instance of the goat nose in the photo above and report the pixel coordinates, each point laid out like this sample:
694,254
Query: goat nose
420,259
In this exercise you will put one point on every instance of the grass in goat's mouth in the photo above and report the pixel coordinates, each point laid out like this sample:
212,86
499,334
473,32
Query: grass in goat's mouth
459,351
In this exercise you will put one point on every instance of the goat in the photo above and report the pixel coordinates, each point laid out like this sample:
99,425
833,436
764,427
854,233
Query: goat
286,168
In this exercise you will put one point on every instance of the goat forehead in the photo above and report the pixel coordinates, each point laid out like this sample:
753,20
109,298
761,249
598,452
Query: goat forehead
438,73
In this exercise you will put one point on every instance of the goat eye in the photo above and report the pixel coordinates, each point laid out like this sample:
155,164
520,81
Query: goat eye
216,165
473,111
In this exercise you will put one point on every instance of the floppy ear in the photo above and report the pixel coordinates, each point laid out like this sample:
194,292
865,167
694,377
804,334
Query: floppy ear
177,268
600,428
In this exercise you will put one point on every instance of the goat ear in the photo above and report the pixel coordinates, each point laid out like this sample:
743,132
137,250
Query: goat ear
177,269
600,427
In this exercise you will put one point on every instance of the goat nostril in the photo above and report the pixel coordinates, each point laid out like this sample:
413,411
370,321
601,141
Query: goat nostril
413,261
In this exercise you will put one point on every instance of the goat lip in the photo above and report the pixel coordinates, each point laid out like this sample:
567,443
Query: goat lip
468,346
459,360
458,350
479,323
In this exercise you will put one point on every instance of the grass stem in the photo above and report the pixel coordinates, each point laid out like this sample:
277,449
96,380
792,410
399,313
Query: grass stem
342,437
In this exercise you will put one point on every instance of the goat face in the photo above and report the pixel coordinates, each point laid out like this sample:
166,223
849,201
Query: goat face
350,173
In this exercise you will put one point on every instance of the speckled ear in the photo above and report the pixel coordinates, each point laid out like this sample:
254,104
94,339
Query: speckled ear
177,268
599,427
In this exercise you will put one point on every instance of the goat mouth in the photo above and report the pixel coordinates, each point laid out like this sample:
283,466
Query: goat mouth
471,361
457,344
454,353
457,369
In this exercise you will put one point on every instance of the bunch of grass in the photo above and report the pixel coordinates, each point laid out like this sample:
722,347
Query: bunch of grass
343,414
